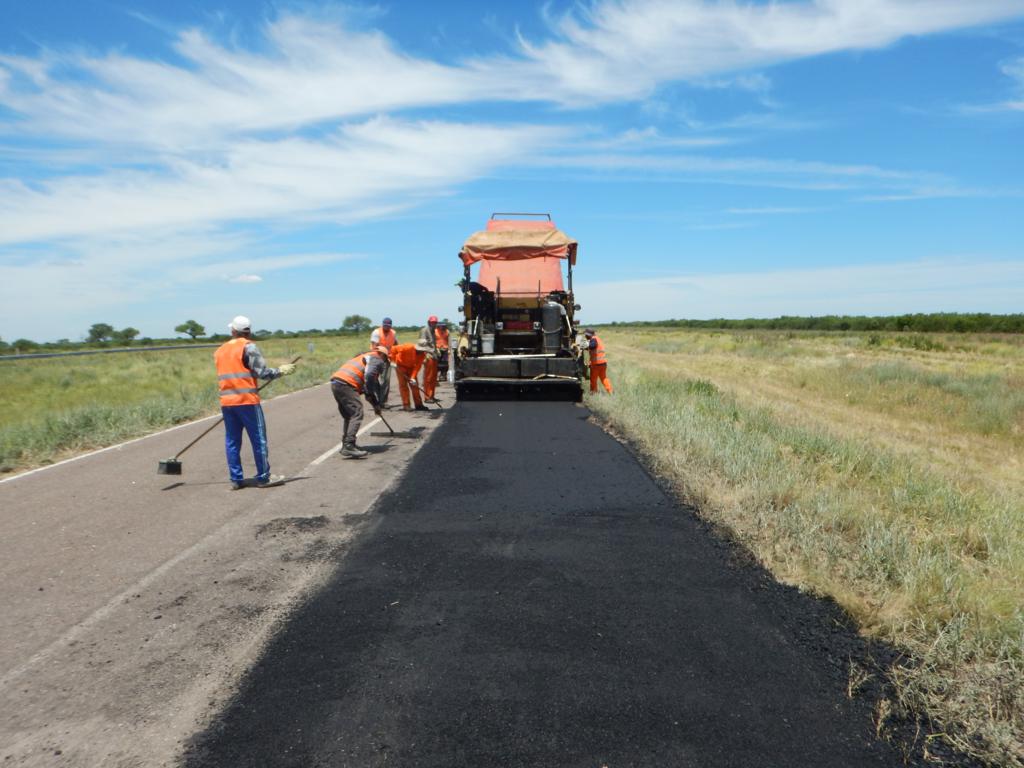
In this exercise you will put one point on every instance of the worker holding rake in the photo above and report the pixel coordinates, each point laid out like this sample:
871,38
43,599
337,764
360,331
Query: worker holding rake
359,376
408,358
239,364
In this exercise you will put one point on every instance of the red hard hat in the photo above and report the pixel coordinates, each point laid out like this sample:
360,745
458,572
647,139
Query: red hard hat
432,319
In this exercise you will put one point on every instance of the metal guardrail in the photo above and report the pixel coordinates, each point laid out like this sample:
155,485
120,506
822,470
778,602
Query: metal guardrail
38,355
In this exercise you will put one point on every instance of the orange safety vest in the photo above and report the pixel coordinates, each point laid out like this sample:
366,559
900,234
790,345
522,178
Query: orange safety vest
353,372
406,356
597,353
237,383
387,338
441,338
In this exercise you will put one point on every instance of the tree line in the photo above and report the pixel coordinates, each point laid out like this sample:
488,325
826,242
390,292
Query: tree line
932,322
105,335
102,335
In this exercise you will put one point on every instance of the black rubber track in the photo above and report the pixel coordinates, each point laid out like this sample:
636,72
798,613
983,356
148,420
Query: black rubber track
530,597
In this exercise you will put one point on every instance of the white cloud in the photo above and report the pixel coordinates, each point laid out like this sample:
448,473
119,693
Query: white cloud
621,49
872,180
340,176
246,279
314,70
936,285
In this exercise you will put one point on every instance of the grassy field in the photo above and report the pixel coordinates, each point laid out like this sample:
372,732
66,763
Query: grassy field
883,470
56,407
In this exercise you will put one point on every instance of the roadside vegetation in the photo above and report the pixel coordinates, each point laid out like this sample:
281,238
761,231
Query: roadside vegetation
883,470
52,408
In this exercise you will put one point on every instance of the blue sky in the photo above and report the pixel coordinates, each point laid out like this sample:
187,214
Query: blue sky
299,162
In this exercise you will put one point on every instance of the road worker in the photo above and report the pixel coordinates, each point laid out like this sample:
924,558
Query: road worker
384,336
598,361
441,341
429,339
408,358
239,364
359,376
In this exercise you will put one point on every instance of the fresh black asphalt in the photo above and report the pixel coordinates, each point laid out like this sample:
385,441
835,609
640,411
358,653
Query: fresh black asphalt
529,596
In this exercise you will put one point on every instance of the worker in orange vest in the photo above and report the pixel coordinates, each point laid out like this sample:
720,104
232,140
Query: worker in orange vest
428,338
407,359
441,341
239,364
598,361
384,336
358,376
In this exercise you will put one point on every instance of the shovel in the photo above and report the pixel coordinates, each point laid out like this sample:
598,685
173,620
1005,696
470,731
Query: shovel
172,466
391,432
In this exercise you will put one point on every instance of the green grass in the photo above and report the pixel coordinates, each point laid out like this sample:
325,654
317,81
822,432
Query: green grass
54,407
788,443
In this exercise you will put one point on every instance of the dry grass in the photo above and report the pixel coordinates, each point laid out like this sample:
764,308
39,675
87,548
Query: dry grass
55,407
884,471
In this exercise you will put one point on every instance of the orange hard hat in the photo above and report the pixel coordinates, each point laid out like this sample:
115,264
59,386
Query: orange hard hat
432,319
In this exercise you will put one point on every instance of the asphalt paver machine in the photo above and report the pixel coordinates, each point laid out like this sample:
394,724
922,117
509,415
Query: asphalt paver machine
518,336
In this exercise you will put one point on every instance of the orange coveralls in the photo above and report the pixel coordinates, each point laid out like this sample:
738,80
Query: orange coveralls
407,362
430,364
598,365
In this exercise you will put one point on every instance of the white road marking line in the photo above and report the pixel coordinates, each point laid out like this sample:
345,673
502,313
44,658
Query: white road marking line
102,612
327,454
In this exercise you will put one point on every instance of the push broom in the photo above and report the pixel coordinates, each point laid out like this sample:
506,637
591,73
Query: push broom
172,466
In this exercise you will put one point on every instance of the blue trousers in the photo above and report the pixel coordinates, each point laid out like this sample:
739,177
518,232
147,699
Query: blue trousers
249,418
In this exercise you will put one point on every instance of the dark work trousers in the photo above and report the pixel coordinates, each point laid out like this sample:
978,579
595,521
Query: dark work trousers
385,383
350,406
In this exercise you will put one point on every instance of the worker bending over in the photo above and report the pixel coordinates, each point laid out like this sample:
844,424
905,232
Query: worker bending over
239,364
428,339
385,337
407,359
359,376
598,361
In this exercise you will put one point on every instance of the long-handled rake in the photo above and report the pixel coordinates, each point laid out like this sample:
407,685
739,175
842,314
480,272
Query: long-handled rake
172,466
432,400
391,432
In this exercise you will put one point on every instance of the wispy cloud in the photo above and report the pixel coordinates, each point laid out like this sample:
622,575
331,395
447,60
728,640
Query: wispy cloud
337,176
622,49
934,285
763,172
1013,69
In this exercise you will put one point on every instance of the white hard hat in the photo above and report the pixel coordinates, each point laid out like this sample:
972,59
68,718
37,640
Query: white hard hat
240,323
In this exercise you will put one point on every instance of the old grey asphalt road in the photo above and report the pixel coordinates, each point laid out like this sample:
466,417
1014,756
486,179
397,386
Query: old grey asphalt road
133,602
530,597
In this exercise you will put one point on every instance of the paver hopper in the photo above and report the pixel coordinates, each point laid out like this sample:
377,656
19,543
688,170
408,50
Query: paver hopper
518,337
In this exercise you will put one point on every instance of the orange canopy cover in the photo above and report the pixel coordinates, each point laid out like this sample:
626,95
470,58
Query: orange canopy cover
516,240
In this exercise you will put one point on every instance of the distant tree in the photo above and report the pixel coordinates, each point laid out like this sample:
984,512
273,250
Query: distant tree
24,344
356,323
126,334
191,327
100,332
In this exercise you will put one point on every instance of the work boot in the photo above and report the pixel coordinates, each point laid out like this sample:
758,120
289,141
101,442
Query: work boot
271,481
352,451
421,407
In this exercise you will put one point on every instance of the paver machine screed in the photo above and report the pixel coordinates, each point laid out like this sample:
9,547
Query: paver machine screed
518,336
